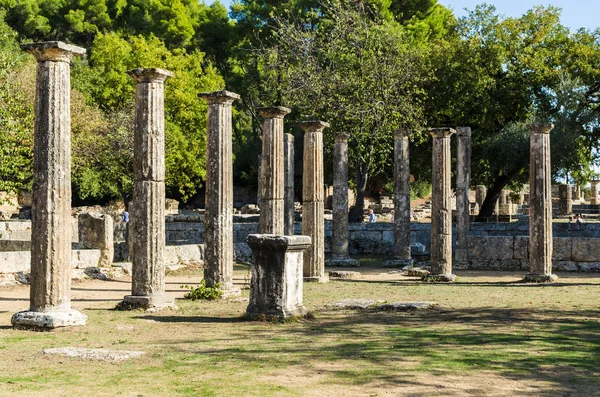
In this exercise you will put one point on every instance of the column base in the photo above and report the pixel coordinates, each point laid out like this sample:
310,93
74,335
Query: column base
147,302
398,263
316,279
253,313
441,278
540,278
46,321
231,293
342,262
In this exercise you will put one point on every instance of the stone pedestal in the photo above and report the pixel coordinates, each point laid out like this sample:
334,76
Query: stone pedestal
341,234
50,293
402,256
540,205
272,179
218,218
276,284
441,209
480,192
313,222
97,231
148,204
594,192
463,177
288,176
565,202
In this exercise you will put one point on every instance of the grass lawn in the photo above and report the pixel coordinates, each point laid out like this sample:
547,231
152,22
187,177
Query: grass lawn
491,336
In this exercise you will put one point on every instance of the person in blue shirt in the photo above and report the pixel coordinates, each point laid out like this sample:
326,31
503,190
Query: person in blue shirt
125,217
371,217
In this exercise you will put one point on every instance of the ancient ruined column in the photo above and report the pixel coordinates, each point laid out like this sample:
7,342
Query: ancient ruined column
565,203
313,222
463,176
503,197
276,284
594,192
148,209
341,235
288,196
540,205
401,198
272,171
218,218
480,192
441,209
50,293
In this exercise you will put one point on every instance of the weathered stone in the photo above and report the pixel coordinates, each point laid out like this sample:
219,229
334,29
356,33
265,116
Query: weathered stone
313,222
94,354
148,204
354,304
594,192
342,262
218,218
561,249
50,301
565,202
401,196
250,209
272,187
540,202
288,199
463,177
416,272
480,193
521,248
585,249
276,285
441,209
404,306
341,234
97,231
346,275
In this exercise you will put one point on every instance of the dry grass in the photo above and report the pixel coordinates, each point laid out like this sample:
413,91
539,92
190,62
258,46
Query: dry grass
492,336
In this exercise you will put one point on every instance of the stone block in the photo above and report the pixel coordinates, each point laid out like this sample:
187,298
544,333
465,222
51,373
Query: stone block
490,248
565,266
589,267
97,231
183,255
585,249
521,248
561,249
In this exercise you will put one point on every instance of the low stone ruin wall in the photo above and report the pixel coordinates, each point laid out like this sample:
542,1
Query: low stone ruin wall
20,261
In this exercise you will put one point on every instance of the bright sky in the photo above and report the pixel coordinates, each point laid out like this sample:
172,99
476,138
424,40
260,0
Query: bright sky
575,13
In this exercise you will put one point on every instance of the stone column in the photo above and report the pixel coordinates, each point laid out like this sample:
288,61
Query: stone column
148,204
463,177
504,196
288,196
218,218
313,222
594,192
272,171
341,235
441,209
50,292
276,284
401,198
540,205
480,192
565,203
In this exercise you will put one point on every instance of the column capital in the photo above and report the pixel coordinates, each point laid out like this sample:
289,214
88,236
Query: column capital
55,51
288,138
276,242
541,128
149,75
442,132
274,112
341,137
401,133
313,125
463,131
595,181
222,96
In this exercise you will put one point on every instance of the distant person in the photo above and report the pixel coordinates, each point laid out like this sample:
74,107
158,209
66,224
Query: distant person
392,218
578,221
570,223
372,217
125,217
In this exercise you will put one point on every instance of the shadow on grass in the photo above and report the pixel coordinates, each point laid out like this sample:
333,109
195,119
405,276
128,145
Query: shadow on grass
191,319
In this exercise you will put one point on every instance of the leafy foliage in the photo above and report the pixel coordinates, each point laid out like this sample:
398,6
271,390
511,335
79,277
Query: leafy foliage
202,292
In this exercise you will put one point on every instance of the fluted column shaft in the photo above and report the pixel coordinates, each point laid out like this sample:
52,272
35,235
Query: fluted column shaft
340,235
50,291
288,199
540,203
218,218
401,196
272,179
441,211
313,222
463,176
148,209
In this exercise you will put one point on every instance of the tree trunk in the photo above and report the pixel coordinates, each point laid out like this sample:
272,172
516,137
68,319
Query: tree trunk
357,212
492,196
